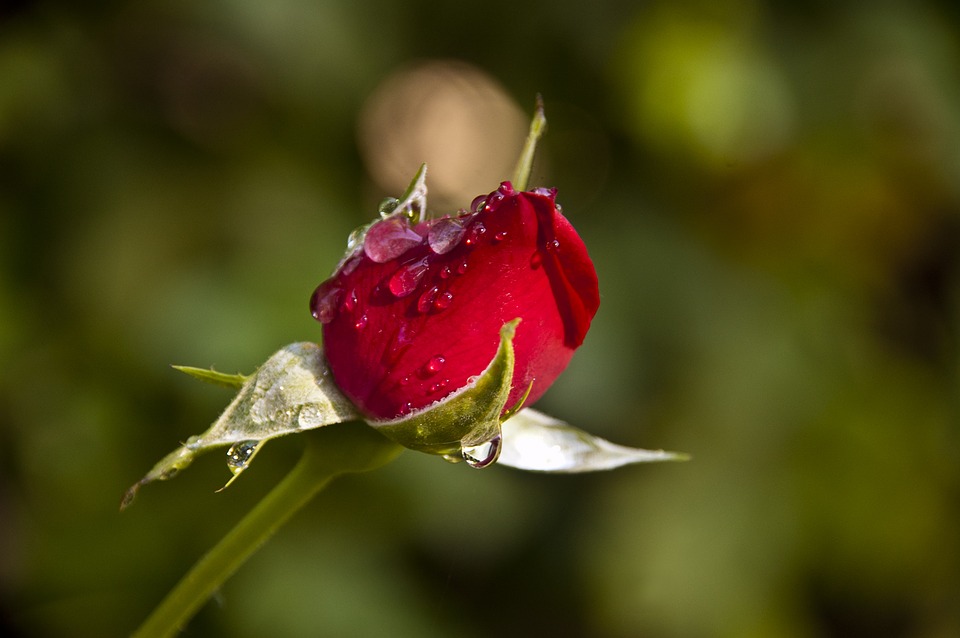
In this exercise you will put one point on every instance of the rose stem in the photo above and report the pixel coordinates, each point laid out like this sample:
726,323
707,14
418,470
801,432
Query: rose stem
330,452
521,175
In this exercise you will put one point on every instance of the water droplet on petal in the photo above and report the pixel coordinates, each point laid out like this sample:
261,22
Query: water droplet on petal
494,200
553,244
443,300
361,322
445,272
475,233
350,265
478,202
500,236
482,455
388,239
425,303
444,235
239,455
462,267
434,364
323,303
536,260
350,302
406,278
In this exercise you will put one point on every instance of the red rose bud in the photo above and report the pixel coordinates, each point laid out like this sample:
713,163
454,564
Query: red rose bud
416,313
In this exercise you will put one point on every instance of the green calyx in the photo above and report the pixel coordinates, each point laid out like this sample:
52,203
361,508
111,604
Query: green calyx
468,418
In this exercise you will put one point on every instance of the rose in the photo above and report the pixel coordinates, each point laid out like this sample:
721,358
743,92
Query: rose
415,311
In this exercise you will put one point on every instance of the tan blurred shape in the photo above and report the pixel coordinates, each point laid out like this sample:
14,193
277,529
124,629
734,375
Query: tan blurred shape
452,116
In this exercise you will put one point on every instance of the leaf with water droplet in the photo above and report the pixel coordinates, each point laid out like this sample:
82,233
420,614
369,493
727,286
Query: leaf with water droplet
536,442
292,392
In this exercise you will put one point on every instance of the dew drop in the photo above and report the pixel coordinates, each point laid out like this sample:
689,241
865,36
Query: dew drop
494,200
350,265
323,303
406,278
500,236
444,235
443,300
388,205
388,239
553,244
475,233
239,455
405,381
453,458
361,322
536,260
478,203
445,272
462,267
425,303
434,365
482,455
350,302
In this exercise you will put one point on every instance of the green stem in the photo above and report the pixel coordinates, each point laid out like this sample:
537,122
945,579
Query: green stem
521,175
331,451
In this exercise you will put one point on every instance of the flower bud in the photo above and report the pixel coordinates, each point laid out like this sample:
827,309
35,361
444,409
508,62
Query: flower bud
415,312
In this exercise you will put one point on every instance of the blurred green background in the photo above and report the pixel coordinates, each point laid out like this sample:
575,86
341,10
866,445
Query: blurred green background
770,191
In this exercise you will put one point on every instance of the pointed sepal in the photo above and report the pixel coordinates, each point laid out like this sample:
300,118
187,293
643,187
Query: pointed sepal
536,442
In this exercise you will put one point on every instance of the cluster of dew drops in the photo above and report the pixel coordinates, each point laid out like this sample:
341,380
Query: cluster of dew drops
388,240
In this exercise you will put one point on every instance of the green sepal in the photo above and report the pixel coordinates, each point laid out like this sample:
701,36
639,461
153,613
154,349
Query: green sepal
468,417
291,392
209,375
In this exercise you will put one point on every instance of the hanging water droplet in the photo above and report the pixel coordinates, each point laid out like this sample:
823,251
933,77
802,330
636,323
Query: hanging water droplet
478,203
387,206
361,322
406,278
388,239
444,235
425,303
239,455
482,455
443,300
453,458
434,365
323,303
475,233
